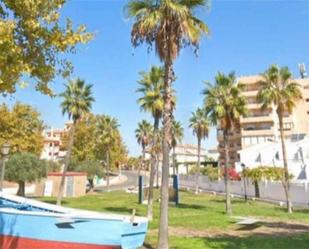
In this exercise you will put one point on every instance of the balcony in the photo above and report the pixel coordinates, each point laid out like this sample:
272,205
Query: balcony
249,93
258,132
253,106
256,119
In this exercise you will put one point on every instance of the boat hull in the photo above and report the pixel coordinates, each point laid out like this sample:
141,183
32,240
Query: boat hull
30,224
13,242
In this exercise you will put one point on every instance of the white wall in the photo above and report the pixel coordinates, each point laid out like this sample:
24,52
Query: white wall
268,190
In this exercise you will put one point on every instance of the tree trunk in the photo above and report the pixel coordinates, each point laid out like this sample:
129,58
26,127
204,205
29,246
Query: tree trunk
66,164
198,165
228,206
107,170
256,188
286,180
90,180
21,188
167,118
152,169
157,169
174,161
143,162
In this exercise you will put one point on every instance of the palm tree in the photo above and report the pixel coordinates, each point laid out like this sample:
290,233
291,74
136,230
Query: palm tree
200,126
77,101
151,87
278,88
107,133
177,136
169,25
143,135
224,105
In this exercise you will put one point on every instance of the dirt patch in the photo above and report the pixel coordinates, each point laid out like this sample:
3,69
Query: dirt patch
265,228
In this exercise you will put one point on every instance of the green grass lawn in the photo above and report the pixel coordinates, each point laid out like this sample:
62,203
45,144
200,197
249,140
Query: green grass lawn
202,214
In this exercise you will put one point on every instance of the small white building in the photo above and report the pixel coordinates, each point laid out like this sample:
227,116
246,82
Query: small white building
186,156
270,154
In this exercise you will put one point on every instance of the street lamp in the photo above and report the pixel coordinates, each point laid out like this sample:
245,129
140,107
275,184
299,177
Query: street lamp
245,186
5,150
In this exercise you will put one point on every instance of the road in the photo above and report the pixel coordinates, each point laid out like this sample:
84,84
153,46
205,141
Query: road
132,181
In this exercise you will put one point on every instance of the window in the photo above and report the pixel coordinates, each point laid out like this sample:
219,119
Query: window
50,144
307,100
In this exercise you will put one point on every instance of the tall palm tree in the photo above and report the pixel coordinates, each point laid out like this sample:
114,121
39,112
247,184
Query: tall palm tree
107,134
177,136
77,101
278,88
224,105
151,87
169,25
200,126
143,135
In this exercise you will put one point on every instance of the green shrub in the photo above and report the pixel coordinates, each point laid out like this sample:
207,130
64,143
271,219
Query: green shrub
212,173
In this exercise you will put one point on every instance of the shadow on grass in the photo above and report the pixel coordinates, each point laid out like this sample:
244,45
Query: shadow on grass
286,226
191,206
119,210
232,200
295,210
63,202
262,241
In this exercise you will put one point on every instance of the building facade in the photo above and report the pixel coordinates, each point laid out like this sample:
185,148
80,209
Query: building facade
270,154
52,149
260,126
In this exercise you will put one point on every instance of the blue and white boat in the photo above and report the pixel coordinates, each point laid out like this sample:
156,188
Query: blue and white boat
29,224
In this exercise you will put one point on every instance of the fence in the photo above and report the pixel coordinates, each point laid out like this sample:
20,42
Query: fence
269,190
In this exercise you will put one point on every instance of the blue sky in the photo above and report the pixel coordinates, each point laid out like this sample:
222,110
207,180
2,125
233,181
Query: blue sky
246,36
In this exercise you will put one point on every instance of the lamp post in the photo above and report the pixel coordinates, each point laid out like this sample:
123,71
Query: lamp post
5,149
245,186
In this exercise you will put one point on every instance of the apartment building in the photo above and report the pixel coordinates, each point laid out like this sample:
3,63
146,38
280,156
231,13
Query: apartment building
52,144
259,126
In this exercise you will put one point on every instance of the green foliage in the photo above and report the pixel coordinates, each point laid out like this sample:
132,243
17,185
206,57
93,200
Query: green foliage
89,144
77,99
176,133
212,173
169,25
199,124
278,88
265,172
224,102
133,162
21,127
85,146
53,166
92,168
143,134
33,42
25,167
151,87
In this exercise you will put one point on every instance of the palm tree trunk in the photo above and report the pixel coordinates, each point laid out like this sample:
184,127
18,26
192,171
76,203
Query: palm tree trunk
198,165
66,164
228,206
107,170
174,161
152,170
286,180
167,122
157,169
